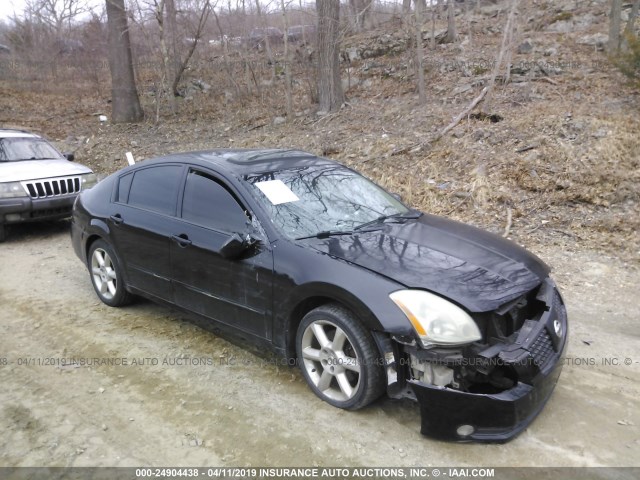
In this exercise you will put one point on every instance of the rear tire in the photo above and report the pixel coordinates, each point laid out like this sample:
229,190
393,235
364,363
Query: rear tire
339,358
106,275
3,233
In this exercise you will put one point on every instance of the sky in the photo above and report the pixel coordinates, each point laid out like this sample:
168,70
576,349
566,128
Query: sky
9,7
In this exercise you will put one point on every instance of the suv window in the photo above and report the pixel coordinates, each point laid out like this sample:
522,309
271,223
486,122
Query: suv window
208,203
156,188
15,149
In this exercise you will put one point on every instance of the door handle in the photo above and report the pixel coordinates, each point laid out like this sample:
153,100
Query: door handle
117,218
182,239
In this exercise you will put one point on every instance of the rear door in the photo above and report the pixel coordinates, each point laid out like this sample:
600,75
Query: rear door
143,218
235,292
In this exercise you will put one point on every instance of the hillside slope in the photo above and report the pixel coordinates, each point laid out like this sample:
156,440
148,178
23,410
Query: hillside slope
561,165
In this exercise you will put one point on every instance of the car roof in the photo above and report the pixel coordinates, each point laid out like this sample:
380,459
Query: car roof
247,161
15,133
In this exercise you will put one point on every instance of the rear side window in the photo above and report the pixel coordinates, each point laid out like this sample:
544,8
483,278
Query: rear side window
124,184
156,188
206,202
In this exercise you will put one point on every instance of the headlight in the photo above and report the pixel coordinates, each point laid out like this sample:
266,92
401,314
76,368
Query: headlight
88,180
436,320
12,190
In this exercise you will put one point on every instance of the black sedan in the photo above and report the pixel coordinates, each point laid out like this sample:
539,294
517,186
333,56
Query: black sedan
308,258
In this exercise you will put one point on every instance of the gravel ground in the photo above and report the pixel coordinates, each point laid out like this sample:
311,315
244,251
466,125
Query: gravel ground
208,402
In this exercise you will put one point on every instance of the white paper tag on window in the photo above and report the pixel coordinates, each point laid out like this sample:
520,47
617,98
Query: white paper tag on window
277,192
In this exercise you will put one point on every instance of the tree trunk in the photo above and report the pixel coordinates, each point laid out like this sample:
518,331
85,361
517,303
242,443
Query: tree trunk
422,96
124,96
433,26
632,16
451,23
330,94
615,20
406,7
628,29
287,64
167,67
174,54
469,23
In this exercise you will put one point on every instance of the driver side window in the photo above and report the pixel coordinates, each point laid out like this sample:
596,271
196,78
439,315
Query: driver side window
206,202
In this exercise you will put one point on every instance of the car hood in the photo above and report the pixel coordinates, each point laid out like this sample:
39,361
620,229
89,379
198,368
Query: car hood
34,169
474,268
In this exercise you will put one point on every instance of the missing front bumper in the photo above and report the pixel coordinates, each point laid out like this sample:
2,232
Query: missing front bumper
450,414
491,394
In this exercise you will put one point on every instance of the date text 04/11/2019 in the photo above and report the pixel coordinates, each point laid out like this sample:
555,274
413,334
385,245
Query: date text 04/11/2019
314,472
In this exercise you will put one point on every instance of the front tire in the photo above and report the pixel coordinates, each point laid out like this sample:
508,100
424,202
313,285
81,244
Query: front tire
106,275
339,358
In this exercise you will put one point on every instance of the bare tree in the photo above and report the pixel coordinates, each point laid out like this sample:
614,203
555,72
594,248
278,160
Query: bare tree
165,13
615,19
330,94
203,16
266,37
56,14
124,96
166,17
360,10
225,57
635,9
168,71
406,7
507,39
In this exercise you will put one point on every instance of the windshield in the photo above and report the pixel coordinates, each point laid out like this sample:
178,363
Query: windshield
26,148
329,198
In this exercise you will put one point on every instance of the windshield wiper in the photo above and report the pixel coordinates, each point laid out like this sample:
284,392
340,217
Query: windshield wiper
326,234
411,214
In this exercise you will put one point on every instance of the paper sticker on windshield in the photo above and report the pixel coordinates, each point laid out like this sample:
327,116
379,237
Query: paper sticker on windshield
277,192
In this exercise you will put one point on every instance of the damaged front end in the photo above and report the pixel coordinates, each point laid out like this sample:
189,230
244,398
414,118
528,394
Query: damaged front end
491,389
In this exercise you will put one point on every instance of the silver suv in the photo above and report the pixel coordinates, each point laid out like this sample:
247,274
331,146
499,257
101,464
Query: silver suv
37,182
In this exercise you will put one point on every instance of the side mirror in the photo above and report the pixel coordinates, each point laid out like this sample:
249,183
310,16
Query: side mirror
236,246
397,196
69,156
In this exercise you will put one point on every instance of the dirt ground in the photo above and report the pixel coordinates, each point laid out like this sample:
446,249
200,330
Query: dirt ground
217,404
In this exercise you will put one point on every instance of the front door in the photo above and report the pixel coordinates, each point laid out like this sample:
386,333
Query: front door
235,292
